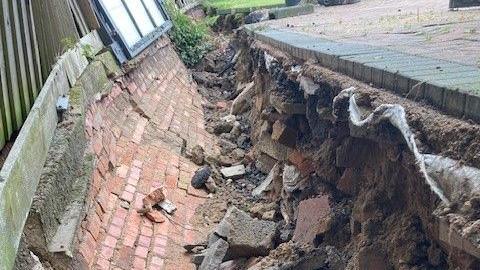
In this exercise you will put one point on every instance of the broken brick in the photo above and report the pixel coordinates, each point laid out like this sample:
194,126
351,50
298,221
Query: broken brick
304,165
284,134
313,219
155,216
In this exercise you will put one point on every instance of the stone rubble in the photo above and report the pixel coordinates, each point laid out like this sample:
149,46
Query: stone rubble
214,255
310,224
233,172
197,155
167,206
201,176
291,152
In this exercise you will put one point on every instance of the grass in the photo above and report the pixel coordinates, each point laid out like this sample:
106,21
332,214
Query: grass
234,4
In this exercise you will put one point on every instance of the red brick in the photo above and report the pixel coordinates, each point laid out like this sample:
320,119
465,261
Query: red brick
127,196
97,146
137,163
106,252
190,236
135,173
139,263
121,213
141,252
161,241
93,224
118,221
221,105
172,170
157,263
116,185
110,241
312,223
114,231
102,199
304,165
102,264
132,181
171,181
155,216
129,240
160,251
144,241
87,248
200,193
125,257
122,171
130,188
147,231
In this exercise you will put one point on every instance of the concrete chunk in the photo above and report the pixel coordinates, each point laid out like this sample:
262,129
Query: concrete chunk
242,100
168,206
267,183
248,237
234,172
214,255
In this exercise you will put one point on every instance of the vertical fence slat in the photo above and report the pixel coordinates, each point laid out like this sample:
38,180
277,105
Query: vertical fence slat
14,91
28,49
54,22
78,17
5,104
37,60
88,14
20,60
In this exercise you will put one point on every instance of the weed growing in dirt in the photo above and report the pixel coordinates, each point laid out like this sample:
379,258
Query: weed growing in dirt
191,38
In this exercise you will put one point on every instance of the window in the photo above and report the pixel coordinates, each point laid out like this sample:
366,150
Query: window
129,26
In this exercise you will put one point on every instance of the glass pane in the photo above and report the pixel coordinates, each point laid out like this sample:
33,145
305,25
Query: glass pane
122,21
141,17
154,12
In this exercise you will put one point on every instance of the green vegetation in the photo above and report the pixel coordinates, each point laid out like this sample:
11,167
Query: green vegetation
191,38
87,51
233,4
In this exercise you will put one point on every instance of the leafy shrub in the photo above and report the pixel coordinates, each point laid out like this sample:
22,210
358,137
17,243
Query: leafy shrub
191,38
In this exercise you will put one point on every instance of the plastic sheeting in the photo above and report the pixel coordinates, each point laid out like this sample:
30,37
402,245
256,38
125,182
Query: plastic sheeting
395,114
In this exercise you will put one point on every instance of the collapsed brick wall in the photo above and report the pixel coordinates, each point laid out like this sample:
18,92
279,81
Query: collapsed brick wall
381,209
137,134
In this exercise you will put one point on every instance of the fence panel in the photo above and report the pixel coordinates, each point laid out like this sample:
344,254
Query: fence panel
32,37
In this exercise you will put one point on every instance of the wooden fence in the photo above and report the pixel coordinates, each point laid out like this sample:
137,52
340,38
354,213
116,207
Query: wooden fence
33,33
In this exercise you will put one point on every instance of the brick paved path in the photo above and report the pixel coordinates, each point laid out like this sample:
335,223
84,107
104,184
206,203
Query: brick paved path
137,134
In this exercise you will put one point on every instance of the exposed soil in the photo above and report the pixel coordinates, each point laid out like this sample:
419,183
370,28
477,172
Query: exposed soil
381,211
